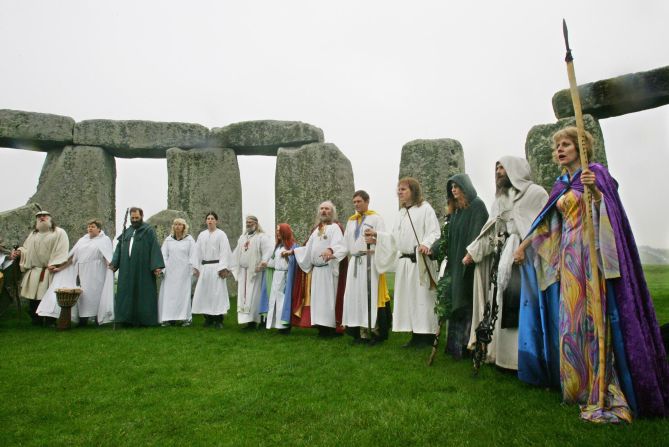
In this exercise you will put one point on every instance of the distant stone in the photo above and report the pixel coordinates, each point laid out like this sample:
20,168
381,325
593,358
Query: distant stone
203,180
34,131
617,96
539,149
264,137
432,162
16,224
162,223
76,184
146,139
307,176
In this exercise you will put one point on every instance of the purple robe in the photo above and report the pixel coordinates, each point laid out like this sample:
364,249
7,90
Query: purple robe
643,347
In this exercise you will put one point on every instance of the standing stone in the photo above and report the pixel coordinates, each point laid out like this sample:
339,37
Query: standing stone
617,96
16,224
76,184
539,148
203,180
34,131
146,139
432,162
307,176
162,223
264,137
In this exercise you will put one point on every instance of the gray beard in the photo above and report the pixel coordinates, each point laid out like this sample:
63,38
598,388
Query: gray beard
43,227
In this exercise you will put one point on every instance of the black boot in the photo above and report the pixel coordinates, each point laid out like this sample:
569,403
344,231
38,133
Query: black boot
83,321
208,320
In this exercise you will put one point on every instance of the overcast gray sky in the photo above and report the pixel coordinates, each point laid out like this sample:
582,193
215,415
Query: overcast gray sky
372,74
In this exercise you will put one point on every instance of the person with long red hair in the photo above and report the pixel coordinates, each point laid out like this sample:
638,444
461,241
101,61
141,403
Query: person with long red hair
277,282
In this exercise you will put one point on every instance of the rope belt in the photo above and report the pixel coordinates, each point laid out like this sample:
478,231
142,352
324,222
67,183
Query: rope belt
358,260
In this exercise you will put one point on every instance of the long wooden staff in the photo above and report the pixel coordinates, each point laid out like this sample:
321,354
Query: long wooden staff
593,295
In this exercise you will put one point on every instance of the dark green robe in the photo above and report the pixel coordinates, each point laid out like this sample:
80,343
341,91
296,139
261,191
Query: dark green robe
465,225
136,294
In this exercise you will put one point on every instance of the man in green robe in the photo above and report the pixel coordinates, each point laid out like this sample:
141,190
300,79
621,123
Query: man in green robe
139,261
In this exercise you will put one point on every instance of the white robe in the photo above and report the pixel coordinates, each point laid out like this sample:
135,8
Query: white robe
90,258
515,213
324,275
211,291
174,299
414,301
251,250
355,295
277,294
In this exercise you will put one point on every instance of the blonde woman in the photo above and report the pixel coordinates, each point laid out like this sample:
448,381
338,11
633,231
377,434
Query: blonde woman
174,301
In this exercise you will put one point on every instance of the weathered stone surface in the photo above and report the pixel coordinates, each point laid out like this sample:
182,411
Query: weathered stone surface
131,138
264,137
34,131
76,184
203,180
307,176
16,224
162,223
539,148
617,96
432,162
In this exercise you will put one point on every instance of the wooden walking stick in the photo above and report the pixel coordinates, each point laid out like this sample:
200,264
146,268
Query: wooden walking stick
593,295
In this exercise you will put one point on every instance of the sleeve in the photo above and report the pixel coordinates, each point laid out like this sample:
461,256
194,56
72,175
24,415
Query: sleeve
165,251
303,256
385,256
342,248
156,256
432,230
60,252
225,254
195,254
267,248
116,259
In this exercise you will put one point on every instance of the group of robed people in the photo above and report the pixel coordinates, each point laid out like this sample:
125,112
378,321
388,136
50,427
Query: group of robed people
532,247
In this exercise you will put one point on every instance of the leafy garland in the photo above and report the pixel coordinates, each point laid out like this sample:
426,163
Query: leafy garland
444,303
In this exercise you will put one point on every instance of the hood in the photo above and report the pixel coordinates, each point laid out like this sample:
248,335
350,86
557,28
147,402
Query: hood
518,170
465,184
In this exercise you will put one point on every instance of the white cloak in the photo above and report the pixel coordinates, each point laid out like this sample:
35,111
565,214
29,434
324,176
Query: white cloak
211,291
515,213
251,250
324,274
174,299
414,301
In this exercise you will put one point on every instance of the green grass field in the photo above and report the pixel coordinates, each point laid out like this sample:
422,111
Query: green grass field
196,386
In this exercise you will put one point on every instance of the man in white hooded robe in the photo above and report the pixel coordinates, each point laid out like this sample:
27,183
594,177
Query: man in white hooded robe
518,202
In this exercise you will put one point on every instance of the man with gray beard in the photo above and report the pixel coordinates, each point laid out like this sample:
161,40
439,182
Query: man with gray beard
43,253
518,201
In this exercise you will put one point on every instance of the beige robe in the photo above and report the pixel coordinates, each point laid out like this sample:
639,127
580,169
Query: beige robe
39,251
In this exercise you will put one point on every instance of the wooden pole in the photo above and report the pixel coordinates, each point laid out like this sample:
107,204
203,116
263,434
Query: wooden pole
593,291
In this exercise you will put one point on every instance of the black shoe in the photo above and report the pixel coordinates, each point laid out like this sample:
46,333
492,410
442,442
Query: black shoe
250,326
218,325
360,341
284,331
208,321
